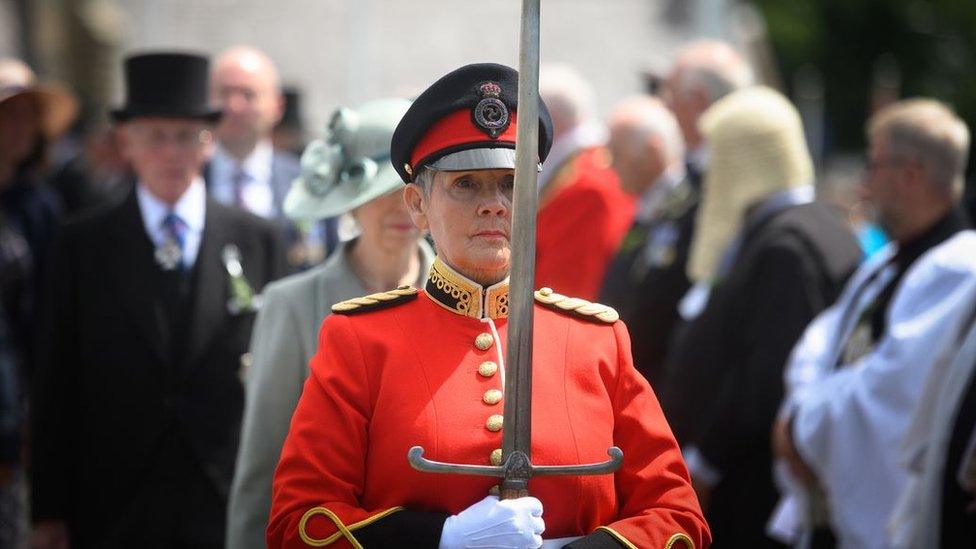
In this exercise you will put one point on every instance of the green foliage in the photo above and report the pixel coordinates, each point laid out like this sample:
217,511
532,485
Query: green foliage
932,43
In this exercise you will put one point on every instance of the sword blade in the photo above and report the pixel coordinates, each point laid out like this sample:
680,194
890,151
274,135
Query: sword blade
517,426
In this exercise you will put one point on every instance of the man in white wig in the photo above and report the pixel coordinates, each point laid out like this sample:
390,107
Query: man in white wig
772,258
856,375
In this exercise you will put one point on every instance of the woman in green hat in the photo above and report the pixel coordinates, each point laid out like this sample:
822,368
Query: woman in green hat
348,172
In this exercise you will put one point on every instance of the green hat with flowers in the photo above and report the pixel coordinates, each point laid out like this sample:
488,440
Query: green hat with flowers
351,165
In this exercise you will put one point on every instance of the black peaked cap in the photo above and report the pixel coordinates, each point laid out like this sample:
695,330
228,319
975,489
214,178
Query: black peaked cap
455,91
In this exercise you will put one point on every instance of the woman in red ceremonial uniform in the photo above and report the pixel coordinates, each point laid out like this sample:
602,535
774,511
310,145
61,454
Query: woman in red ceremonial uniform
426,367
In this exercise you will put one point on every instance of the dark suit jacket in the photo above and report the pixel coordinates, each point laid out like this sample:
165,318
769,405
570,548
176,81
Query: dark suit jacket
647,278
284,169
114,397
724,379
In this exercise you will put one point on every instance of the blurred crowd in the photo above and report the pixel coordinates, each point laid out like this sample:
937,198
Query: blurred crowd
812,343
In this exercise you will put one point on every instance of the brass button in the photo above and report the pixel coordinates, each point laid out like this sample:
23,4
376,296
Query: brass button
487,369
495,422
494,490
492,396
484,341
496,456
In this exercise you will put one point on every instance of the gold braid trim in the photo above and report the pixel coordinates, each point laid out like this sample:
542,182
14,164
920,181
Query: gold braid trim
576,306
344,531
497,302
679,537
626,542
456,293
372,301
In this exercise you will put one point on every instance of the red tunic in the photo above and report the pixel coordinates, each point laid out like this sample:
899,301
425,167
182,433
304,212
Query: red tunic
583,216
412,374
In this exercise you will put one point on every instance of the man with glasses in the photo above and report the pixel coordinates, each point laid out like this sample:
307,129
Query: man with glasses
137,398
856,376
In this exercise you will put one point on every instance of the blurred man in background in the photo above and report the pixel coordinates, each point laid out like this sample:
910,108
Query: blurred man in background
583,212
247,171
859,370
647,278
137,400
703,73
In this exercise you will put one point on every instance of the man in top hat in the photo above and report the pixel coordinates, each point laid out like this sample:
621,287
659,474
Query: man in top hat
768,257
246,170
137,400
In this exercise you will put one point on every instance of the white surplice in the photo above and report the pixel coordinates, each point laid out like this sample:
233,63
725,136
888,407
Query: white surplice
916,520
850,420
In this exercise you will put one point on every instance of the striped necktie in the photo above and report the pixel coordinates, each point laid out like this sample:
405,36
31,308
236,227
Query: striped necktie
174,229
240,179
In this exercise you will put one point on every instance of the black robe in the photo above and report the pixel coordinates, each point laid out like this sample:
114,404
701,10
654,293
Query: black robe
724,375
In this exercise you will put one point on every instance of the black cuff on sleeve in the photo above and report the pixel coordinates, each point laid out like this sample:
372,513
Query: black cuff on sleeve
403,529
596,540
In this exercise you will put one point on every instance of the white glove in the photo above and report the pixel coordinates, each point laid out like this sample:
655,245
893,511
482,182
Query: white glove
507,524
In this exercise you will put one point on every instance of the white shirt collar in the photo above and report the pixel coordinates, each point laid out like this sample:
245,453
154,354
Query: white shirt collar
191,207
257,164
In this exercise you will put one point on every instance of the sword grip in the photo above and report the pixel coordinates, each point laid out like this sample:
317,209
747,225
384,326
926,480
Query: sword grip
513,493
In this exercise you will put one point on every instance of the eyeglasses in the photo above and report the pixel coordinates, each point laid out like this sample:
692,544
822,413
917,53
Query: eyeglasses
183,139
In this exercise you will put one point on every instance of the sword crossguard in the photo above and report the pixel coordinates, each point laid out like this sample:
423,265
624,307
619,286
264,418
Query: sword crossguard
517,468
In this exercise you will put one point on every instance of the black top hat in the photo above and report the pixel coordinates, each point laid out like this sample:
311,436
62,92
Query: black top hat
473,107
167,85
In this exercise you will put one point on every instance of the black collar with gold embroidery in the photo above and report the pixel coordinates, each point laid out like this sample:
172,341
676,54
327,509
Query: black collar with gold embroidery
459,294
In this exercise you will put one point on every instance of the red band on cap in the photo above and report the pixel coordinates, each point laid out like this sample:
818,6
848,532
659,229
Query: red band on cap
457,129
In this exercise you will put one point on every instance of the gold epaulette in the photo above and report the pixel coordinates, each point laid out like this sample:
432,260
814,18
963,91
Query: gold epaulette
373,302
577,307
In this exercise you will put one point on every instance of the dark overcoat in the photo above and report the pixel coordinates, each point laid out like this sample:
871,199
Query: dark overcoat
137,398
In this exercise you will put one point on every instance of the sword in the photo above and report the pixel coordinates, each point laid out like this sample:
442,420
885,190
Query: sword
517,468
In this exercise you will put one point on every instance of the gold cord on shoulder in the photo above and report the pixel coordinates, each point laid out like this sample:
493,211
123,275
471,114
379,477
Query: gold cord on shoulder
575,306
371,301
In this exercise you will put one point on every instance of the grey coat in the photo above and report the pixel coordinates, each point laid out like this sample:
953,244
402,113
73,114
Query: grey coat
285,338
